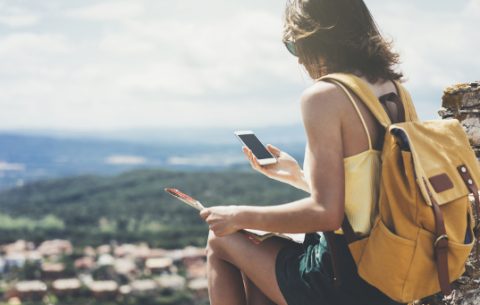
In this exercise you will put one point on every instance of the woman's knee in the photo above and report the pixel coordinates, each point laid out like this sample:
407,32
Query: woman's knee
218,246
213,245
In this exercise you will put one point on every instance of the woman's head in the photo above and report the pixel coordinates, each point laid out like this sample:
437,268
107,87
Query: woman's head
338,36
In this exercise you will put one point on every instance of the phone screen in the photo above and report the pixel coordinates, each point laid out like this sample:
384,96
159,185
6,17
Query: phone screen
257,148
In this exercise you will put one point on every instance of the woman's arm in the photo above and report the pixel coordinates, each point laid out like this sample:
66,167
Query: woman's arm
323,210
304,215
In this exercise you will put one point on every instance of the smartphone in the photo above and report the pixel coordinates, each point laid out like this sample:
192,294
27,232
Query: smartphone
248,138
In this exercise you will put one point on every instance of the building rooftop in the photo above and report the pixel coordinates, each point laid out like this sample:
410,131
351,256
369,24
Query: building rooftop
66,284
29,286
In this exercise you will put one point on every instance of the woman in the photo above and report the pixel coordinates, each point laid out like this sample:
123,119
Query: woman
327,36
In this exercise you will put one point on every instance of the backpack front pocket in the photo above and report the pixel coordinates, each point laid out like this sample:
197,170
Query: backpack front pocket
386,261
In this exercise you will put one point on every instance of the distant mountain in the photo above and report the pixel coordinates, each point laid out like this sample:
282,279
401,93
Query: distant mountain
282,134
129,207
27,157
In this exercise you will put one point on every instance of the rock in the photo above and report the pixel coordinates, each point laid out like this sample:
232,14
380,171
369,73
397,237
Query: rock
466,292
462,102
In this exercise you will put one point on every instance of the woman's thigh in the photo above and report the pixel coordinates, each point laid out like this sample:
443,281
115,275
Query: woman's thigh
256,261
253,295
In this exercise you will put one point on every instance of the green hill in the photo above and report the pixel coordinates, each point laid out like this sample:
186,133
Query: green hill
130,207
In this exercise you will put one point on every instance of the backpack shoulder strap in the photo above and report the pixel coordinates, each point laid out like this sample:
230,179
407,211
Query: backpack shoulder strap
410,111
366,95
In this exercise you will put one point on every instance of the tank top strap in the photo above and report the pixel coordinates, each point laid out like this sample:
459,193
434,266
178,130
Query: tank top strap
352,100
364,93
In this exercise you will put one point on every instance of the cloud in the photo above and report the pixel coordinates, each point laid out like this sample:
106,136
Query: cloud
139,65
436,43
122,44
206,160
5,166
31,43
16,21
473,8
228,55
125,160
108,11
148,63
17,17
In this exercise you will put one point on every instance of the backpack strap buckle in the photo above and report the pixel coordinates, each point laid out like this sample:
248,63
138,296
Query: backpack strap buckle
439,239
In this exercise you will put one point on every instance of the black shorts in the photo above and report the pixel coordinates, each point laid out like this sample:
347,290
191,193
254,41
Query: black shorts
305,276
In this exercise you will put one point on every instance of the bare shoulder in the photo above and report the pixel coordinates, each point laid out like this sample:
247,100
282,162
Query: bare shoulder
323,98
322,107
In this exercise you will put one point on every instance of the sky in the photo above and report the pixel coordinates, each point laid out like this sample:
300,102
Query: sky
106,65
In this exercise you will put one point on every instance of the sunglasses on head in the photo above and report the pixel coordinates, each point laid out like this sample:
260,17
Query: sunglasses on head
290,44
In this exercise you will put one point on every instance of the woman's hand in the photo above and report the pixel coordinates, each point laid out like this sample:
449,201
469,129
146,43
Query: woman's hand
286,169
222,220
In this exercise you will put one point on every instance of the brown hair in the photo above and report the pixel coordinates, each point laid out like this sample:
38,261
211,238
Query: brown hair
339,36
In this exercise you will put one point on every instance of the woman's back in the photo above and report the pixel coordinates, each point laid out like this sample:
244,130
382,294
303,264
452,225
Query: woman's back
362,137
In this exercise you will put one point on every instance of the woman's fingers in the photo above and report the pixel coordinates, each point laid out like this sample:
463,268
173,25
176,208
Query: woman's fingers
251,157
245,151
255,164
254,160
205,213
274,150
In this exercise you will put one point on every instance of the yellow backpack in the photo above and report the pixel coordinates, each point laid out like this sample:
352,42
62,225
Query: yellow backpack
425,227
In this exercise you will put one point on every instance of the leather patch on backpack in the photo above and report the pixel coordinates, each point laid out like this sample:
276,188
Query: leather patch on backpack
441,182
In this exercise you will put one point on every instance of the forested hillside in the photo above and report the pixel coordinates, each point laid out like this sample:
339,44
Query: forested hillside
90,210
